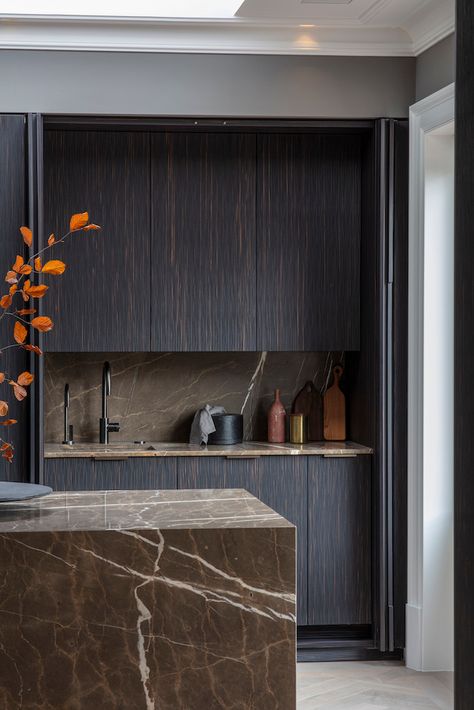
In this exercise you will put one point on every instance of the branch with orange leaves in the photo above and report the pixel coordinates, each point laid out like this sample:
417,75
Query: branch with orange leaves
20,278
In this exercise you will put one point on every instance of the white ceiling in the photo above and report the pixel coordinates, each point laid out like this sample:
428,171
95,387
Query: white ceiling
337,27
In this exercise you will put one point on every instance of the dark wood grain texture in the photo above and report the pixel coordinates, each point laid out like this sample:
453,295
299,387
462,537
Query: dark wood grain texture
400,378
69,474
284,487
280,484
203,232
12,216
339,541
126,474
308,226
220,473
464,357
102,302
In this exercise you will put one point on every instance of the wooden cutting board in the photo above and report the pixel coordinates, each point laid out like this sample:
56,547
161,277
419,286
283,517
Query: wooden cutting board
335,410
309,402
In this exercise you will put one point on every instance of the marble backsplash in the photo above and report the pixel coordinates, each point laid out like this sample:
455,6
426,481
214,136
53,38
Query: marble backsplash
155,395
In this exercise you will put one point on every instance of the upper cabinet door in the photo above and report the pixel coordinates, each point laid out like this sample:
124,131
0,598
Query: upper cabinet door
203,234
102,301
308,226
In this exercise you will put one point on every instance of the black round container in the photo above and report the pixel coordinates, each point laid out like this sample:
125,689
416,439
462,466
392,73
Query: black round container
229,429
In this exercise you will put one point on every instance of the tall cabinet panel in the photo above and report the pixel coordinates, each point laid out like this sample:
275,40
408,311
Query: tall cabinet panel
308,226
203,234
102,302
339,541
13,216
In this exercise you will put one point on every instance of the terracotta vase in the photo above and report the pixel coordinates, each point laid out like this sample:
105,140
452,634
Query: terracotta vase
277,421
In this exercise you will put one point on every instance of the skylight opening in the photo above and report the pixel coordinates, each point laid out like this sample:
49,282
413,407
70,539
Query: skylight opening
166,9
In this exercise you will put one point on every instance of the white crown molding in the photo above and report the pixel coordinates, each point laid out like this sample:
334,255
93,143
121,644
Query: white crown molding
229,36
216,37
430,25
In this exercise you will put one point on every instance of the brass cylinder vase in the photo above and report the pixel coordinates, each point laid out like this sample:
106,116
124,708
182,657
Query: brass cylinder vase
298,425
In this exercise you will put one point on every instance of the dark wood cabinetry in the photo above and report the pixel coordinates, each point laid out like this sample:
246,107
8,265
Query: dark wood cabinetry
102,301
308,251
99,475
203,294
339,541
280,482
255,240
13,152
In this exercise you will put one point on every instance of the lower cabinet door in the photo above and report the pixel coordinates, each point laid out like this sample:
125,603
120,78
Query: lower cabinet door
69,474
339,541
124,474
284,487
278,481
219,472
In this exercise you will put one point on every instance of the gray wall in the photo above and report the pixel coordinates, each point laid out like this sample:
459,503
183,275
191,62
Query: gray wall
435,68
199,85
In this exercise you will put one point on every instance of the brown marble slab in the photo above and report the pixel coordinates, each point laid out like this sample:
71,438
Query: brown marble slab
245,450
155,395
155,600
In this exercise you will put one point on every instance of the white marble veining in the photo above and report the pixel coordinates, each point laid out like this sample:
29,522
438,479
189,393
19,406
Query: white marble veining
246,449
139,510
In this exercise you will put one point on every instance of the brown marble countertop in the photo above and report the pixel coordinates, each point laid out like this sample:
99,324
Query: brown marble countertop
138,510
245,450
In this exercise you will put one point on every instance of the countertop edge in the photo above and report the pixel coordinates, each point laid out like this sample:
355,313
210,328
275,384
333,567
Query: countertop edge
248,450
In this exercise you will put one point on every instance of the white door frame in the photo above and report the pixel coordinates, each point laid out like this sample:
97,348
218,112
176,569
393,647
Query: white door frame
425,116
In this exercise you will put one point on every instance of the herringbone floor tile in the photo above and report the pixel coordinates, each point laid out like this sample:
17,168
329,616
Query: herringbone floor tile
371,686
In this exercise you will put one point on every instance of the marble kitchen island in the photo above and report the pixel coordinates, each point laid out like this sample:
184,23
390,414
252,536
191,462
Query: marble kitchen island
166,600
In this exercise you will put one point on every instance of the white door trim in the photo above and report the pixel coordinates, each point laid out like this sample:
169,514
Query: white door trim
425,116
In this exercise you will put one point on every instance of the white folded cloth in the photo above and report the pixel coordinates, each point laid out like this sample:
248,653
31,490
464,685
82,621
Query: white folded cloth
203,424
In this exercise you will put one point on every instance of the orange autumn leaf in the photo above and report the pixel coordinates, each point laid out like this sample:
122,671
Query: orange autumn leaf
42,323
11,277
20,332
37,264
20,267
13,289
24,290
26,311
88,227
33,349
25,379
78,221
36,291
6,301
2,377
3,408
5,446
27,235
54,266
8,422
51,239
19,391
19,261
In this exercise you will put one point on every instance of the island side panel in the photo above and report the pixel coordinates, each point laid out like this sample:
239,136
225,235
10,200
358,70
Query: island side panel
148,619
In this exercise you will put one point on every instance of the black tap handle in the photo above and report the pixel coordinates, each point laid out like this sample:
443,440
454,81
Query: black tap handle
113,426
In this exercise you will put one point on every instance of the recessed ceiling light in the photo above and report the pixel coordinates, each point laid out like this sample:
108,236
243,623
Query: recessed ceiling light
307,26
123,8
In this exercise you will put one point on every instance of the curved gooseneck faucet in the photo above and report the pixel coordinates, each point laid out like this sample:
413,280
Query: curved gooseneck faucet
106,426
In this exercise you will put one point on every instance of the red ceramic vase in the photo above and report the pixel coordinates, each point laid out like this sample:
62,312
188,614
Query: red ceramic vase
277,421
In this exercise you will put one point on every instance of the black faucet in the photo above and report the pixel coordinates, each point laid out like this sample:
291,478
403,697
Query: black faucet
68,428
105,425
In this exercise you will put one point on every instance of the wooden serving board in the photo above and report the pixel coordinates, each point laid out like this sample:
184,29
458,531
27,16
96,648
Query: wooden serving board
309,402
335,410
